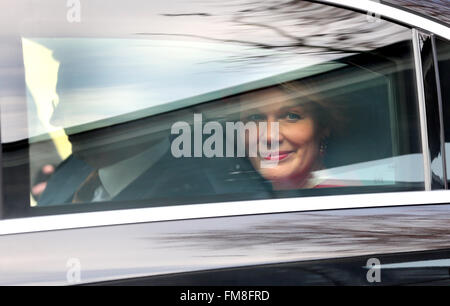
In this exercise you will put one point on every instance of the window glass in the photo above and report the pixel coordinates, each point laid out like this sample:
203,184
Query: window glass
432,109
443,55
151,104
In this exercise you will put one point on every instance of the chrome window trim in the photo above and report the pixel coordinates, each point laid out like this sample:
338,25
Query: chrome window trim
238,208
394,13
422,109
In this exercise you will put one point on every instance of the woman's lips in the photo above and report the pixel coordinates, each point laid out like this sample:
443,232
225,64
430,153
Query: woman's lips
277,156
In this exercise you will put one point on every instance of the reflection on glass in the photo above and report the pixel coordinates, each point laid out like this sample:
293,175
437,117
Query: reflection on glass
443,55
105,111
432,111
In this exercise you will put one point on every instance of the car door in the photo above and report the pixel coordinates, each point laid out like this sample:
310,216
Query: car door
127,142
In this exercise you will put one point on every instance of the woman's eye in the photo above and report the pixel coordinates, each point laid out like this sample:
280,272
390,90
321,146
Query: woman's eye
293,116
255,117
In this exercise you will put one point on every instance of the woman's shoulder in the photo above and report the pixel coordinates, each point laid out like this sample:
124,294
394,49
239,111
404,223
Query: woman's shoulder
334,183
325,185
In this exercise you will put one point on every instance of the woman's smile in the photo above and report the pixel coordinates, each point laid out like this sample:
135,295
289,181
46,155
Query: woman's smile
277,156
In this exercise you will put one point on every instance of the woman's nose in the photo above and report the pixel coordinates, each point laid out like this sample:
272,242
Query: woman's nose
271,132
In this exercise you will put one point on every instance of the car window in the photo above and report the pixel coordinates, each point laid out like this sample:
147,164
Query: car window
443,56
157,104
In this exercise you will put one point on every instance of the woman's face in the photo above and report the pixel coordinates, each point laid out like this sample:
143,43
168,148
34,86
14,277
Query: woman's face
298,140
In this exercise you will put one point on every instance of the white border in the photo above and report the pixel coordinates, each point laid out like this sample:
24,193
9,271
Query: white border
394,14
241,208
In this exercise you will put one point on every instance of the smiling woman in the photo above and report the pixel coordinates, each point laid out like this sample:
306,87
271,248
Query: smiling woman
304,123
